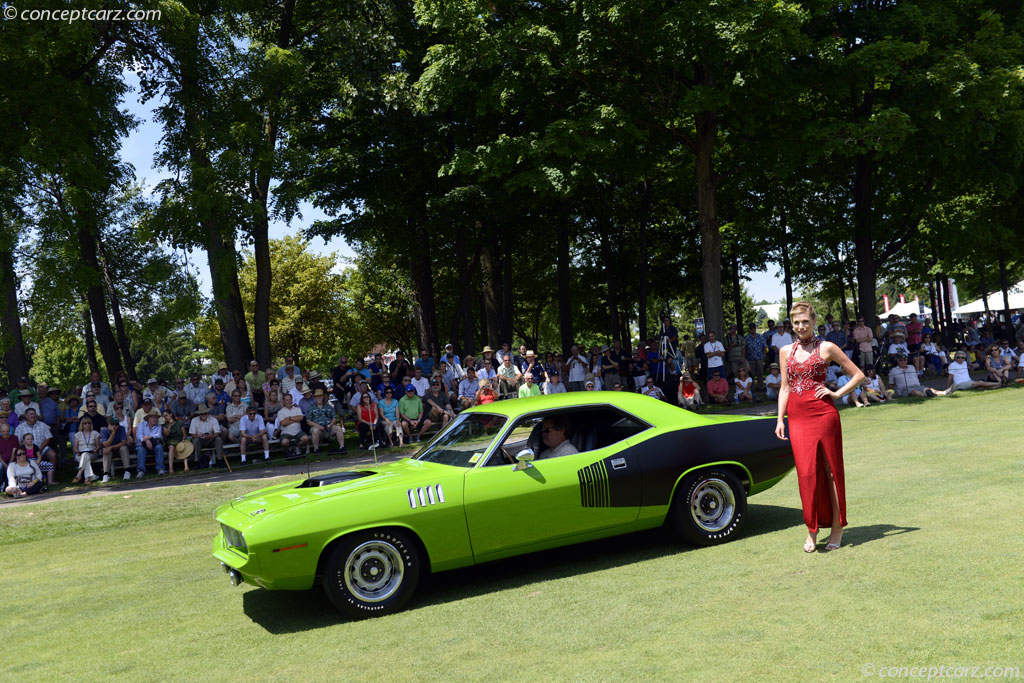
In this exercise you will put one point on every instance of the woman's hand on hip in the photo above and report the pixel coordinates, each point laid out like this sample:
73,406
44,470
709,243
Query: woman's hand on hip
822,391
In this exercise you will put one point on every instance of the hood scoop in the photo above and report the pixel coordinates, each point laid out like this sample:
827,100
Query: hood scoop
328,479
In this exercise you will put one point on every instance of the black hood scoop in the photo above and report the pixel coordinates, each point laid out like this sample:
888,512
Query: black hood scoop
328,479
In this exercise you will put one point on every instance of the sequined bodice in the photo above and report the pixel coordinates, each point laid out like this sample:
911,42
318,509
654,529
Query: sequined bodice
809,374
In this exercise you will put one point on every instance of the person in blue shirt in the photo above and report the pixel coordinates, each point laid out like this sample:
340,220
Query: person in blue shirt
289,362
218,389
374,371
425,363
384,386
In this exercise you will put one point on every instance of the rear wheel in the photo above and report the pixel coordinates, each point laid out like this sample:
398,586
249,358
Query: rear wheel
372,573
709,507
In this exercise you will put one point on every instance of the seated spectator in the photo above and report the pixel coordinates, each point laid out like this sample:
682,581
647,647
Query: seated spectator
245,393
832,375
371,429
467,389
529,387
743,386
85,447
253,429
8,442
182,408
932,354
388,411
23,476
898,347
103,399
1020,359
533,368
485,394
425,364
508,377
855,397
505,351
998,369
653,390
689,392
270,409
437,404
255,379
449,350
554,384
69,418
323,422
718,388
421,383
174,431
904,380
589,385
149,438
289,426
773,381
26,400
49,413
412,415
196,390
874,389
205,432
142,413
39,447
233,414
7,413
217,412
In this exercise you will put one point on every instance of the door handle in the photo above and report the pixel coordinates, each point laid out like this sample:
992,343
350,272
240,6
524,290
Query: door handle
618,463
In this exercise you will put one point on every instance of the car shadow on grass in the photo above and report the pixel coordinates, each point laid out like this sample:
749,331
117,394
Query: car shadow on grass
293,612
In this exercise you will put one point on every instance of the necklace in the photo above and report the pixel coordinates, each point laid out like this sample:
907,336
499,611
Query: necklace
809,340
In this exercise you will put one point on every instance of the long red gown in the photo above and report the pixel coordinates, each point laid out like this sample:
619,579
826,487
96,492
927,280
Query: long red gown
814,431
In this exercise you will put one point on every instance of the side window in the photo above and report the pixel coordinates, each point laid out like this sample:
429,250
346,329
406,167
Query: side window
518,438
588,428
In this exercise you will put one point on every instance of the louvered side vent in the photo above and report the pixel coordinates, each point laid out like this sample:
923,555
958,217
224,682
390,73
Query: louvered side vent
425,496
594,486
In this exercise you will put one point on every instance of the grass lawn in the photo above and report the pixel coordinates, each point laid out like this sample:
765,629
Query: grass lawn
123,585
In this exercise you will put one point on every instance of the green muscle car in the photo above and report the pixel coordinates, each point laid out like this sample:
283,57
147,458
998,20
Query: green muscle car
503,479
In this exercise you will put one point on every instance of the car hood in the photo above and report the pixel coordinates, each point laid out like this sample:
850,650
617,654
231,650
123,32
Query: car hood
402,474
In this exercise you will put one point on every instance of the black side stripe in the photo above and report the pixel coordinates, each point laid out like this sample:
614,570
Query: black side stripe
594,486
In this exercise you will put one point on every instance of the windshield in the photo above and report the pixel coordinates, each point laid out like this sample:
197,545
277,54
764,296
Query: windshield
465,441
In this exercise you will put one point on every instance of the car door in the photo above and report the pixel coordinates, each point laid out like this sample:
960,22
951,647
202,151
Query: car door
554,498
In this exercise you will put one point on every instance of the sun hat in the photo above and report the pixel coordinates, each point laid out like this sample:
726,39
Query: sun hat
319,392
487,349
150,381
531,353
24,392
203,409
222,365
183,449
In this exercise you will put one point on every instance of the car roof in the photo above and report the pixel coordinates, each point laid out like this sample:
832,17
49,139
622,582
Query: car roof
651,410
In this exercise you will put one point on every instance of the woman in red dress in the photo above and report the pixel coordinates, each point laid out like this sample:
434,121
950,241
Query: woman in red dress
814,426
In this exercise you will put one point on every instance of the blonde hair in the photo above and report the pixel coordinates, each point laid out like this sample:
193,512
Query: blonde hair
803,307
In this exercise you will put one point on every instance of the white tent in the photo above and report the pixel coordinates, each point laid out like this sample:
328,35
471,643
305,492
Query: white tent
905,309
995,302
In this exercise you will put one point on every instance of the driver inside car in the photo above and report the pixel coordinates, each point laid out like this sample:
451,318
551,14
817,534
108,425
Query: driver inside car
555,433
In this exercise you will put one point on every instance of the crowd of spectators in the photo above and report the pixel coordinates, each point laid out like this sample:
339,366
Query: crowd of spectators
392,401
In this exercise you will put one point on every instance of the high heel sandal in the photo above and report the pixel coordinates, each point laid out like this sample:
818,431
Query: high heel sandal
830,546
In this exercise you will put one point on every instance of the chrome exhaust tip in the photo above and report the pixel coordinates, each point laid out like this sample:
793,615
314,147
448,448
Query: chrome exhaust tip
233,574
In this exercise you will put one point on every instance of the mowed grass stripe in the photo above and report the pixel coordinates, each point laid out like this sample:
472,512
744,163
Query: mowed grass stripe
129,591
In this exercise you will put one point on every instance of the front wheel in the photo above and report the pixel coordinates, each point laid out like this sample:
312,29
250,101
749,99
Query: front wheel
709,507
372,573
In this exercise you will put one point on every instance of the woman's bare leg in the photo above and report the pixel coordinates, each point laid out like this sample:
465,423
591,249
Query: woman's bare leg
836,535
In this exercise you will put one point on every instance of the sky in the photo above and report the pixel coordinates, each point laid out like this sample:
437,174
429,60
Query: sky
140,147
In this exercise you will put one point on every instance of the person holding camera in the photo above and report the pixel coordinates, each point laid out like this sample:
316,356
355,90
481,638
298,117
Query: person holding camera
577,367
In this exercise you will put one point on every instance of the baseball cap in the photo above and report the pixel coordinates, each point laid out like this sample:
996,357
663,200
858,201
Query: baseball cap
410,387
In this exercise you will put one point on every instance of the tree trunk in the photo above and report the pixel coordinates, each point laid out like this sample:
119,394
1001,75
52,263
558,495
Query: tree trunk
645,207
936,311
15,358
853,295
90,341
489,291
707,218
737,293
1004,284
608,260
564,298
423,281
507,302
97,300
947,306
465,309
787,266
863,198
844,313
115,308
260,196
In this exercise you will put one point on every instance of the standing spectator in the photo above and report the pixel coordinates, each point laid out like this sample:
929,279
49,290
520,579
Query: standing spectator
689,350
781,339
621,358
863,336
554,384
689,391
718,388
578,368
149,438
412,415
767,335
714,351
467,389
837,336
323,422
702,359
640,370
733,350
205,432
114,439
609,368
753,352
915,335
508,377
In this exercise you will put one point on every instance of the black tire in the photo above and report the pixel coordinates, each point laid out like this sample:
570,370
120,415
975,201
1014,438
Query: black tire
351,573
709,507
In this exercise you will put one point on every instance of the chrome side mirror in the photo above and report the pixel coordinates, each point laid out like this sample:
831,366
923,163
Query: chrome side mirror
523,459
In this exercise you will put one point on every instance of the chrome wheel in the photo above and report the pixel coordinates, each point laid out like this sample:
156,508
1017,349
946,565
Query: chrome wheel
374,570
712,505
